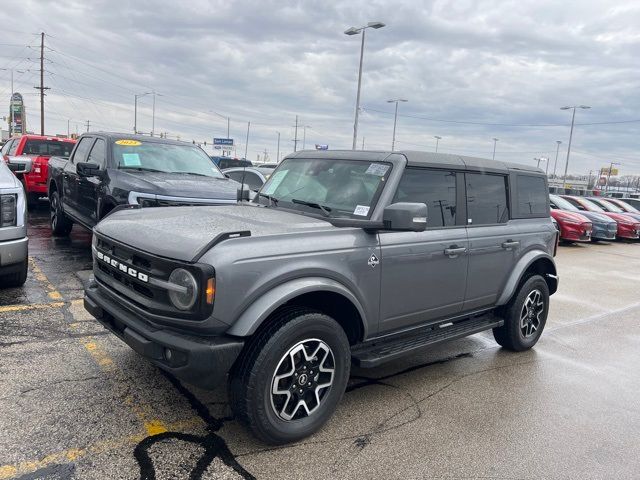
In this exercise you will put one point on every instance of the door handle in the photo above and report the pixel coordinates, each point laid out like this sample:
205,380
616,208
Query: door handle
510,244
454,251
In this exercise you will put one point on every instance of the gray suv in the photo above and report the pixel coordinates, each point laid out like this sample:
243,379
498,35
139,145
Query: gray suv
343,257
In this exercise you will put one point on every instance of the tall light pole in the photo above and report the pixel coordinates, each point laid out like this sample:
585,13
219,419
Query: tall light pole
153,116
246,145
304,135
495,140
395,120
573,118
555,164
278,154
438,138
355,31
135,109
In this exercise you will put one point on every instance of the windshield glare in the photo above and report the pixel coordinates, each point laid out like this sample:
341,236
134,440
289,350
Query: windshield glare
592,206
344,188
629,208
610,206
164,157
563,204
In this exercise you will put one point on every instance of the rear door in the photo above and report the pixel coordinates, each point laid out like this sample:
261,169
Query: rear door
493,242
424,273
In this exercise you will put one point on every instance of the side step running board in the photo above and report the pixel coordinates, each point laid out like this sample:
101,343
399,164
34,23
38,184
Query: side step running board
375,352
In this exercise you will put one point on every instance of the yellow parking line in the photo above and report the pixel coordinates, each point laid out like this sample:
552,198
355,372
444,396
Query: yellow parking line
74,454
35,306
42,278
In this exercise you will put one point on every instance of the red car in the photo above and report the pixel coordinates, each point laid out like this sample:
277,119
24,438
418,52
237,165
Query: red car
40,149
628,227
573,226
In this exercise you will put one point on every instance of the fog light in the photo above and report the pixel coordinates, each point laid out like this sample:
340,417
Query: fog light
168,354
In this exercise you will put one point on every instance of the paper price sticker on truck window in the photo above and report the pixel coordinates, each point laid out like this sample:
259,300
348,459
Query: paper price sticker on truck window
129,143
361,210
131,160
378,169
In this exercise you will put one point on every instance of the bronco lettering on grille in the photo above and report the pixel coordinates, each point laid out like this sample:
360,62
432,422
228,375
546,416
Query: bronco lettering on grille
122,267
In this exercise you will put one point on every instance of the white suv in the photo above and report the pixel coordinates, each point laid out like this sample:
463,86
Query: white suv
13,223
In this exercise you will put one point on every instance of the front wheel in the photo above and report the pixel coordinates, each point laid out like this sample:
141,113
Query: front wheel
524,316
60,223
291,376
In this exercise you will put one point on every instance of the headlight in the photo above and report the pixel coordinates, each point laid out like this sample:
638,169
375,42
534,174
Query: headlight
186,299
8,210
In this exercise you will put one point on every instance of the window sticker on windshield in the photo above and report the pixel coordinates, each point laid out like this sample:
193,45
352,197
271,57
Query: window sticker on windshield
129,143
131,160
378,169
361,210
275,181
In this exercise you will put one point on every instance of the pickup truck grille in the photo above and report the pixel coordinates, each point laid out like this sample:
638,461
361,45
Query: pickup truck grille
133,275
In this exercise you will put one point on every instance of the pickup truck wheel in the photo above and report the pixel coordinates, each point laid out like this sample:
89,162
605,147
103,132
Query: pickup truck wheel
291,376
18,278
60,223
525,316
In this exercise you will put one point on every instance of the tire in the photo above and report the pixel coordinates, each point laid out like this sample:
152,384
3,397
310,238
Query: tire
60,223
517,336
281,417
16,279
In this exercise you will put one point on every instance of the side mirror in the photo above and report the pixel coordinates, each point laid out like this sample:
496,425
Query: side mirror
88,169
405,216
20,165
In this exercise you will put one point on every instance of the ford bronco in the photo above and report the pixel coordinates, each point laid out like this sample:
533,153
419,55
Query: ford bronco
343,257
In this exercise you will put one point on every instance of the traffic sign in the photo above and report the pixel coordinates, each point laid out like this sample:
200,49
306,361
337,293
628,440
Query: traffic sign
228,142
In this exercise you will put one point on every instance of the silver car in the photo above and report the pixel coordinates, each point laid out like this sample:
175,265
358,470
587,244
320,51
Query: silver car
13,223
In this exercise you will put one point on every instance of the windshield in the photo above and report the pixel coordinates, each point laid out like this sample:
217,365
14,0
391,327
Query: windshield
48,148
628,207
563,204
610,207
336,188
163,157
592,206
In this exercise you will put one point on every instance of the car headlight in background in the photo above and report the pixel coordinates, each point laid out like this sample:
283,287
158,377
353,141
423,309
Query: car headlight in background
8,210
185,299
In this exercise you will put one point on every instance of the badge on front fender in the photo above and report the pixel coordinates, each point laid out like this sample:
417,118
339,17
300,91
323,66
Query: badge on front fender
373,261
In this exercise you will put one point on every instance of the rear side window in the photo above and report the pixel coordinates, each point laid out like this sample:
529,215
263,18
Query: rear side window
13,147
486,199
47,148
80,155
531,196
436,189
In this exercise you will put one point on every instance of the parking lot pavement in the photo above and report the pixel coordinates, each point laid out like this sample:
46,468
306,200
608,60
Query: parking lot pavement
77,403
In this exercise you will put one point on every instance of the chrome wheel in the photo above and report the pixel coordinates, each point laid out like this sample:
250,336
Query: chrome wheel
302,379
54,211
530,315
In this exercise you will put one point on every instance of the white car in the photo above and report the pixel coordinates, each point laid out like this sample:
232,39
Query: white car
13,223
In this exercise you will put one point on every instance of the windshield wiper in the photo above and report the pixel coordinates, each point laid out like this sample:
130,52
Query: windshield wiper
193,173
271,199
139,169
325,210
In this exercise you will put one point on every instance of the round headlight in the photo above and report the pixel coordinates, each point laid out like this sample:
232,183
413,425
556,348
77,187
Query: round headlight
183,300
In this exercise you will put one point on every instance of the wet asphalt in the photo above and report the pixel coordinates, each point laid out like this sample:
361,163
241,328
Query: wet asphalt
75,402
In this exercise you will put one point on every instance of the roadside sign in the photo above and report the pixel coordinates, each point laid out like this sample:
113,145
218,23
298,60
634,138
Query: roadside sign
605,171
228,142
322,147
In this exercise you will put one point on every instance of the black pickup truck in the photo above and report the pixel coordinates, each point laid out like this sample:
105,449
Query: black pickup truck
106,170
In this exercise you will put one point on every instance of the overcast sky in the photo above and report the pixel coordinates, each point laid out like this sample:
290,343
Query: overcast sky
505,67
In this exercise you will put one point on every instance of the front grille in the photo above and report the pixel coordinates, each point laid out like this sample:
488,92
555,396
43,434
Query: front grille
130,274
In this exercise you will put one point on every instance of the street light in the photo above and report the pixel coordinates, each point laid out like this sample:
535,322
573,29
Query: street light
555,164
135,109
355,31
278,154
495,140
395,120
573,117
153,115
438,138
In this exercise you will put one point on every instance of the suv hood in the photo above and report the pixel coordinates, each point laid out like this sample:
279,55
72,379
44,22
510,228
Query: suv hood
177,185
181,232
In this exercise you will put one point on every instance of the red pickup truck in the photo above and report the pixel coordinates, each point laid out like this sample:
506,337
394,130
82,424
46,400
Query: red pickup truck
40,149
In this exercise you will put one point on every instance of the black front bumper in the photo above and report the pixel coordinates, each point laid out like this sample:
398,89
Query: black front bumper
200,361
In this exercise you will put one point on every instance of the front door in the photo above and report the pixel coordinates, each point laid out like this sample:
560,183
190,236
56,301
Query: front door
424,273
89,187
70,198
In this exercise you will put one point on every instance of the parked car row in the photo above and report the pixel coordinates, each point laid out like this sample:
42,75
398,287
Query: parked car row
584,219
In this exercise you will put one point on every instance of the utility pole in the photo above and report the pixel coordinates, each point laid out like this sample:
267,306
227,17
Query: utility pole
68,136
88,125
495,140
42,88
304,136
278,151
246,145
295,138
589,180
362,143
555,164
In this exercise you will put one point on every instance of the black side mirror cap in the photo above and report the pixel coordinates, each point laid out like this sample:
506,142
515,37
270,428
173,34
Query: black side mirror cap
405,216
88,169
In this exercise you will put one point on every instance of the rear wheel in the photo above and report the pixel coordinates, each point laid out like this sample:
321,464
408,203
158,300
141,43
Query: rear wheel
525,316
16,279
291,376
60,223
